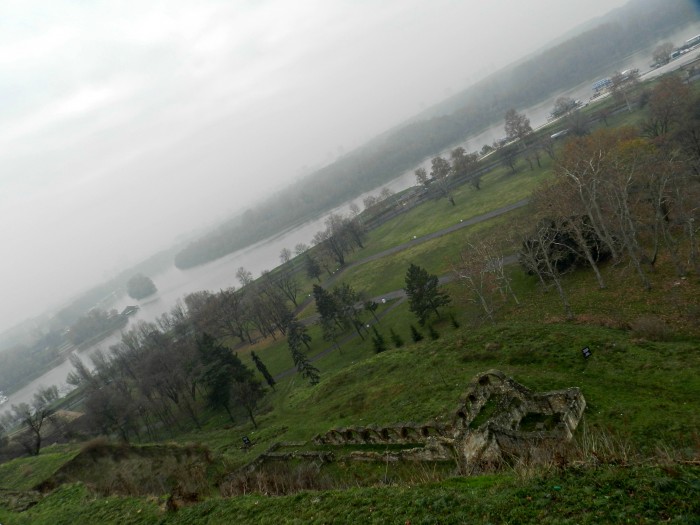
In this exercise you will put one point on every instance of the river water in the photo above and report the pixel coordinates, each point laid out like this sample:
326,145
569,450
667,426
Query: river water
173,284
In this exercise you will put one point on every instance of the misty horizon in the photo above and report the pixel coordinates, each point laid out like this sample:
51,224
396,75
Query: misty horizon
127,129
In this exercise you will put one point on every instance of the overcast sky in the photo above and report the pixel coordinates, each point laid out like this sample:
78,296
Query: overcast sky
126,123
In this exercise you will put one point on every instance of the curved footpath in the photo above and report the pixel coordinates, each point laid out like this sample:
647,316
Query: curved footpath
440,233
401,294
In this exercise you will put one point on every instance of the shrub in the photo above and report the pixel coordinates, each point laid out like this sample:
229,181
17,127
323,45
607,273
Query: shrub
395,338
433,333
415,334
650,327
378,341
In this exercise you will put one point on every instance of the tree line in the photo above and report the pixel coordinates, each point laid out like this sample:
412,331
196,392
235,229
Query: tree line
387,156
628,194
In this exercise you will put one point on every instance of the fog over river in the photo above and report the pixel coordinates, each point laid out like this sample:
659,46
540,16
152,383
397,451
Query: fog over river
173,284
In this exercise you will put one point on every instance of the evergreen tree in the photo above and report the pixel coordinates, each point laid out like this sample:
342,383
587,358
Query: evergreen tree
302,363
371,307
263,370
325,305
346,298
415,334
247,394
338,307
433,333
313,268
423,294
331,331
378,341
222,371
297,333
395,338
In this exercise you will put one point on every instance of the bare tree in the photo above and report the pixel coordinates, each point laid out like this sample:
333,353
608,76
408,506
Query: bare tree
438,181
385,193
584,164
247,393
370,201
110,411
472,272
560,200
338,237
541,254
668,106
509,157
563,106
623,83
230,315
546,143
624,200
465,165
662,53
34,416
244,276
481,269
286,283
300,248
577,123
517,125
285,255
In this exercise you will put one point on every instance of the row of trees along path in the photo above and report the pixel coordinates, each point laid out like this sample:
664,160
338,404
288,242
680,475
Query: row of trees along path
398,294
649,188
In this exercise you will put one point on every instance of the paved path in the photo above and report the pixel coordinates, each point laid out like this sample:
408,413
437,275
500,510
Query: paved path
400,294
403,246
434,235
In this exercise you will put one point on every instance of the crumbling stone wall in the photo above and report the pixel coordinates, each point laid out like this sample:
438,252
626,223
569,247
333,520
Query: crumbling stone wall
497,418
401,434
483,443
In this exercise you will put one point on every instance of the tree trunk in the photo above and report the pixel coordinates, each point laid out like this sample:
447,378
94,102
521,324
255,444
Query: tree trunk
252,419
589,256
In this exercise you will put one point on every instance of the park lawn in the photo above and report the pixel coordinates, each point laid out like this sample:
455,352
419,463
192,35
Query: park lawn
275,353
499,188
438,256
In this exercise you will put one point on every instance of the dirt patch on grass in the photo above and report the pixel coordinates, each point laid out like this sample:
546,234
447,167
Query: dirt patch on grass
110,468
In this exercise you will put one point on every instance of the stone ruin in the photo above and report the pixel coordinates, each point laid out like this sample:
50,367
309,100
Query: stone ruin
497,419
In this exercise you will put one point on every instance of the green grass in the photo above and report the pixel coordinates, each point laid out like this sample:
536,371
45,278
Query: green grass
437,256
640,391
643,392
499,188
603,495
27,473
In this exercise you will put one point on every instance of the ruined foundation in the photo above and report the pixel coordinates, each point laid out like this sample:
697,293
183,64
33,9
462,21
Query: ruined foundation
497,419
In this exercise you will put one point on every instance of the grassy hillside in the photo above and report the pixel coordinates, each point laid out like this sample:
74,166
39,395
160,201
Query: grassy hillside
634,458
642,410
